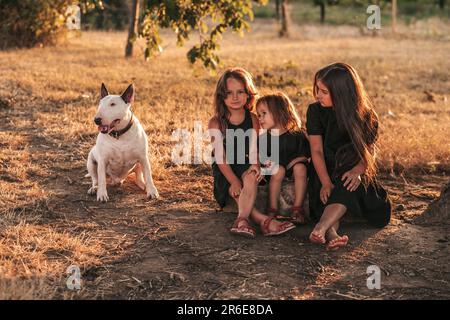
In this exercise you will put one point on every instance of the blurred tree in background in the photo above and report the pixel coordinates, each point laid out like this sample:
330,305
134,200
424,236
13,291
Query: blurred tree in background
353,12
208,19
285,18
28,23
112,15
321,4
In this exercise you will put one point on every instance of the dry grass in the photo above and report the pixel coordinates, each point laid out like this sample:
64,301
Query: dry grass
49,96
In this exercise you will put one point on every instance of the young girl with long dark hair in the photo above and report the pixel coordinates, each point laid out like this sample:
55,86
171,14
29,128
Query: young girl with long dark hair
343,130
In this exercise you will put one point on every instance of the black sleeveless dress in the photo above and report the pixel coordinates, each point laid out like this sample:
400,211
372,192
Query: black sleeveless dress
291,145
372,203
221,184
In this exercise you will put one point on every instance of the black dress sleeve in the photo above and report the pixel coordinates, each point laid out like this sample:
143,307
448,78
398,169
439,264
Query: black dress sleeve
313,124
303,146
306,148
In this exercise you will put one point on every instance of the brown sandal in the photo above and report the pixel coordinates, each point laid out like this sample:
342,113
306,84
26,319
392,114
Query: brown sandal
271,212
297,215
284,227
246,231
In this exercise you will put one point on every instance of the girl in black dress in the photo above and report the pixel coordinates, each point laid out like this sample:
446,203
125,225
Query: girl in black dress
278,117
343,128
236,169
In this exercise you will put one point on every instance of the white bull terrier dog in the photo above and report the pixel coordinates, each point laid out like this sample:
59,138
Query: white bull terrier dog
121,146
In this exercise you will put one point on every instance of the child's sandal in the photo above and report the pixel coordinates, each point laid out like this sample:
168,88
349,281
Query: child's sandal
246,231
282,228
297,215
271,212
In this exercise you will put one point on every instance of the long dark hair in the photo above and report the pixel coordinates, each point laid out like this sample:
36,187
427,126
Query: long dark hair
355,115
221,111
282,110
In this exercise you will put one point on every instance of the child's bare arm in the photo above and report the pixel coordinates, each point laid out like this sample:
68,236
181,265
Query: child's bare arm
254,159
318,159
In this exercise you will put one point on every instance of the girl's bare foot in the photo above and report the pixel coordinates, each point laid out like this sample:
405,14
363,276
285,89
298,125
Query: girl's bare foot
335,241
318,235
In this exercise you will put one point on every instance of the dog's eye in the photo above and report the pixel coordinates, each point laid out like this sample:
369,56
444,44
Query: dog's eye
112,104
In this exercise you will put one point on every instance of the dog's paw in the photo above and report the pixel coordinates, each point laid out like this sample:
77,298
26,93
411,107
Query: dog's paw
152,193
92,191
102,196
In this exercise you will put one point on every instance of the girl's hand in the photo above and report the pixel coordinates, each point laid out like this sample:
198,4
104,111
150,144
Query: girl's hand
235,189
325,192
352,179
257,170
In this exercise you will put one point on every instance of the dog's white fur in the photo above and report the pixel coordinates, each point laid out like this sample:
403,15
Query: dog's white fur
116,158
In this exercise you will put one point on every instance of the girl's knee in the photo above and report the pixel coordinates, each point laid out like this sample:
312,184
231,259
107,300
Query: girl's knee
299,170
279,175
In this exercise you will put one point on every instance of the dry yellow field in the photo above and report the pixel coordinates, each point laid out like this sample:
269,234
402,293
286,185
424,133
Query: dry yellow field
48,98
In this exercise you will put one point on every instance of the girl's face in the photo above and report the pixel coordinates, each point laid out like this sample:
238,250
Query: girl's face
323,95
265,117
236,97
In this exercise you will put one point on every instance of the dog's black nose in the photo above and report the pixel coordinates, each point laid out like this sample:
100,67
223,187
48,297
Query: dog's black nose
98,121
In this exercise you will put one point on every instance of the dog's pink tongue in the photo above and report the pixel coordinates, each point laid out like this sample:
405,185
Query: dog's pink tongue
103,128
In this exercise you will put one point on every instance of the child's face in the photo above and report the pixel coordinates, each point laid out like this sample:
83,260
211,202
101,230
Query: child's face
236,95
323,95
265,117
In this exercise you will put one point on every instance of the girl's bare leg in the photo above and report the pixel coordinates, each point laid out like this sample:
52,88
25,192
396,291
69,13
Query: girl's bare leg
246,201
331,233
259,218
248,194
275,187
247,197
300,182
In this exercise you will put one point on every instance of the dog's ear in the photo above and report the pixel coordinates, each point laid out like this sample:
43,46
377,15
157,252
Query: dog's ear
103,91
128,95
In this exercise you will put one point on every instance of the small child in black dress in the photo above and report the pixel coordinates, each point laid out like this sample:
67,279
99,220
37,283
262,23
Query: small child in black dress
343,128
279,119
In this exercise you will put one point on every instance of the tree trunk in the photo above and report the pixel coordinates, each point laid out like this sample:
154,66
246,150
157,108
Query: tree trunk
375,32
277,10
284,32
394,16
442,4
132,31
322,12
100,20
